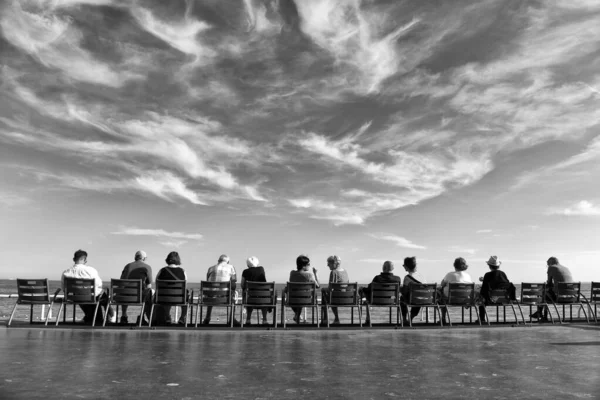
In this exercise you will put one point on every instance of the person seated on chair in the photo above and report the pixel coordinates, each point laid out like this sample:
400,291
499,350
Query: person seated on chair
254,273
410,266
138,270
494,279
459,275
386,276
223,271
172,272
337,275
83,271
556,273
302,274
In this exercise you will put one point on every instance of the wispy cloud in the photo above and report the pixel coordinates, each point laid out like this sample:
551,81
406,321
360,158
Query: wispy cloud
583,208
484,231
174,243
398,240
133,231
459,249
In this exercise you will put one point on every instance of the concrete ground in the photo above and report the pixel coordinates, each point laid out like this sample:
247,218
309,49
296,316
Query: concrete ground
536,362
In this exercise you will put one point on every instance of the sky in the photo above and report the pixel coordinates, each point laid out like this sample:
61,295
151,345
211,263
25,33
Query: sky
371,130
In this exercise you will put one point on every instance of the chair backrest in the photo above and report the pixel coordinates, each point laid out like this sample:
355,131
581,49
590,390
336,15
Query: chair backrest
533,293
260,293
421,294
126,291
33,291
501,294
78,290
568,292
215,293
170,292
595,295
301,294
343,294
385,294
461,294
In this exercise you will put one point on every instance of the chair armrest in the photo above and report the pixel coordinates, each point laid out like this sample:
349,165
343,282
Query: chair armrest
190,297
56,294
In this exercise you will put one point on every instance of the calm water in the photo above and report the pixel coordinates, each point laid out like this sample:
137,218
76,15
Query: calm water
378,314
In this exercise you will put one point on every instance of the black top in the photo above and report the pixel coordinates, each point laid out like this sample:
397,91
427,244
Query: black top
254,274
138,270
493,280
171,274
387,277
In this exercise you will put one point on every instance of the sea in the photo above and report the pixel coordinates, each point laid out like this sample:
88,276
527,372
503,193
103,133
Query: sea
379,315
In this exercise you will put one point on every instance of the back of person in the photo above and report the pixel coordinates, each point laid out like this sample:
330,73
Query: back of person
171,274
387,277
254,274
302,276
559,273
222,272
138,270
339,276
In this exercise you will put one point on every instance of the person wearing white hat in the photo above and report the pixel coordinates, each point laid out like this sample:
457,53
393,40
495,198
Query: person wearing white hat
138,269
491,280
254,273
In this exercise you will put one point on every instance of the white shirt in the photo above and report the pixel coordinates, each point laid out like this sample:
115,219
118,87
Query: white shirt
455,276
85,272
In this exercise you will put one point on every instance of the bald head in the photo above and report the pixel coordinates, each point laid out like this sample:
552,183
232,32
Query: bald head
223,258
388,266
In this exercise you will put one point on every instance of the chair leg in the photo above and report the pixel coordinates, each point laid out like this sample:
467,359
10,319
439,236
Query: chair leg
557,313
477,314
96,313
448,314
198,308
515,313
12,313
151,314
369,316
242,316
283,321
521,312
59,311
48,313
31,315
327,315
142,314
106,315
584,313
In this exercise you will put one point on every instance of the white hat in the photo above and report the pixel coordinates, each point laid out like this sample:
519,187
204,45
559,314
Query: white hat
493,261
252,262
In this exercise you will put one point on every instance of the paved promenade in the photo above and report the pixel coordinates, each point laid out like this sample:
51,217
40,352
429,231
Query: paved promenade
471,363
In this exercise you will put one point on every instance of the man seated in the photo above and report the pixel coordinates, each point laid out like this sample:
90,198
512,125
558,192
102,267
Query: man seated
410,266
556,273
82,271
386,276
138,270
223,271
495,279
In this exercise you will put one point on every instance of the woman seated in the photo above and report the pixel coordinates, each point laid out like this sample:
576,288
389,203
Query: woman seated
459,275
337,275
303,273
172,272
412,276
254,273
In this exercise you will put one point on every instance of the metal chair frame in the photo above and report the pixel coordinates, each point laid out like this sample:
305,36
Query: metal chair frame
500,297
568,293
533,294
170,293
461,295
423,295
127,292
32,292
78,291
259,295
344,295
300,294
216,294
593,300
385,295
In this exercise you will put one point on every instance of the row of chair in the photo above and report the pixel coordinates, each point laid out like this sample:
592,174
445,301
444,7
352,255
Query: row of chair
296,295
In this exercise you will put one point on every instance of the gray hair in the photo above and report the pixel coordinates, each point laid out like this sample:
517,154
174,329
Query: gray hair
388,266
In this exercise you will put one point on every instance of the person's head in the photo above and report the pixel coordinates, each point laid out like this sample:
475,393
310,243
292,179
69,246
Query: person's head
388,266
552,261
333,262
410,263
80,257
223,258
302,262
494,263
140,255
460,264
252,262
173,258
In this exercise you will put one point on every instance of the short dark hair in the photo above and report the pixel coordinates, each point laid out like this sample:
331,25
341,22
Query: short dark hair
80,253
302,261
173,258
410,263
553,261
460,264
